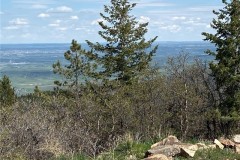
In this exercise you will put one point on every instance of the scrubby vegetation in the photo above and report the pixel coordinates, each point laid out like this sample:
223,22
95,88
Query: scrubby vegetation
104,98
45,125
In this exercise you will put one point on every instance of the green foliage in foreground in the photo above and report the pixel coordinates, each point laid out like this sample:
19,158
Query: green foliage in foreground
123,151
92,125
136,150
126,150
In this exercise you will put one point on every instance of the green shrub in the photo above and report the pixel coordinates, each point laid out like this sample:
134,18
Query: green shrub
128,148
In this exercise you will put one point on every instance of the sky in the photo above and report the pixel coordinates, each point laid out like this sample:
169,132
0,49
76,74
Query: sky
60,21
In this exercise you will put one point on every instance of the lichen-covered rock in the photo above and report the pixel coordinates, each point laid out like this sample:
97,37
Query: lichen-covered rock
167,150
219,144
170,140
237,148
186,152
227,142
212,146
236,138
171,147
202,146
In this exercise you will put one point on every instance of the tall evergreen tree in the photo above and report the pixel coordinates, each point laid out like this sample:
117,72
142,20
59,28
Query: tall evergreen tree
78,69
7,95
226,68
124,55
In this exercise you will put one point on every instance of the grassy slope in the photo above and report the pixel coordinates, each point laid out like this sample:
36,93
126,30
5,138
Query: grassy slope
135,151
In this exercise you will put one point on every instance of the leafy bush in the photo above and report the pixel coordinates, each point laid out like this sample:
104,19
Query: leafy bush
126,148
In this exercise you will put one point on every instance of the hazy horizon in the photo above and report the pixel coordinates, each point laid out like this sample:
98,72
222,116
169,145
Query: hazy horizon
99,42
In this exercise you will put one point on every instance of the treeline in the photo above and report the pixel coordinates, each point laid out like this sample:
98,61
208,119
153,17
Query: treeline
102,98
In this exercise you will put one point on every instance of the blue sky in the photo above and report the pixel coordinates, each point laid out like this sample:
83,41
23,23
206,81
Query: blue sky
60,21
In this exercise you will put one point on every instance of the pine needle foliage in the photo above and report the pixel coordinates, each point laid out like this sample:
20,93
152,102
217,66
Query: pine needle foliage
7,95
226,68
124,54
78,68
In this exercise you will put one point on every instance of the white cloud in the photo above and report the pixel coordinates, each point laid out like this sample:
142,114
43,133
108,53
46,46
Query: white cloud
54,25
79,28
19,21
17,24
195,22
156,23
64,9
89,11
38,6
153,4
11,27
178,18
61,9
58,21
144,19
171,28
74,17
204,8
62,29
1,12
43,15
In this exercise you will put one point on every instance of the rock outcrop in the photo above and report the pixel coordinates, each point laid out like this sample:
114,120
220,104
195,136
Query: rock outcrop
236,138
188,151
171,147
170,140
219,144
237,148
227,143
168,150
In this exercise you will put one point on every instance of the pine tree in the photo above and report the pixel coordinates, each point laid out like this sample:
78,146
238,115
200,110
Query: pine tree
124,53
7,95
226,68
79,68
